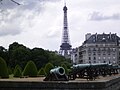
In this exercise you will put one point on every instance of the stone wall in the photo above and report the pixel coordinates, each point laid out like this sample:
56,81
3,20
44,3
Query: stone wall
113,84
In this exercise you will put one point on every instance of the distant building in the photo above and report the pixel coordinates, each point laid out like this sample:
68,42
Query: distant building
98,48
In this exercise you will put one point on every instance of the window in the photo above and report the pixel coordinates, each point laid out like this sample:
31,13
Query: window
104,61
94,58
89,50
89,54
113,57
89,61
94,61
103,45
98,57
89,58
99,54
114,49
94,53
103,57
104,53
94,49
98,49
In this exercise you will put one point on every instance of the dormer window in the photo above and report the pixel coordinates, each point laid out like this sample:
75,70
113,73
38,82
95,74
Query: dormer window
103,38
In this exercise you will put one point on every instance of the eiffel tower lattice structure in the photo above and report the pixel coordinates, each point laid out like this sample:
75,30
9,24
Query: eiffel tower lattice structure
65,47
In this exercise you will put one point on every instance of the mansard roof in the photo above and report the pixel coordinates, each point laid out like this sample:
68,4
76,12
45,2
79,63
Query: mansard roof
103,38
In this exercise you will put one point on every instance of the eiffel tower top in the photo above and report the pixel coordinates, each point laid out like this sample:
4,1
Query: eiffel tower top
65,8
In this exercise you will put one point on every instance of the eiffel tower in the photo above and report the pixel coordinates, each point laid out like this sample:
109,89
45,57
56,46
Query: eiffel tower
65,47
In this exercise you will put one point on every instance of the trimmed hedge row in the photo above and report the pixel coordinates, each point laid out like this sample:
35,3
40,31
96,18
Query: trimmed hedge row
3,69
30,70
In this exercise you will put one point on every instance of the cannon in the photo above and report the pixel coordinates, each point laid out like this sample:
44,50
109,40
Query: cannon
56,74
92,71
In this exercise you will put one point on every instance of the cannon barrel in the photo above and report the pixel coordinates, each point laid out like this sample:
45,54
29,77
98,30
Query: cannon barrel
56,74
78,66
58,70
81,66
99,65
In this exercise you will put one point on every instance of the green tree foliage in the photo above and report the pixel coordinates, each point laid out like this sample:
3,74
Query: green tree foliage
17,71
39,56
10,70
65,67
18,54
30,69
3,69
57,60
4,53
41,72
48,67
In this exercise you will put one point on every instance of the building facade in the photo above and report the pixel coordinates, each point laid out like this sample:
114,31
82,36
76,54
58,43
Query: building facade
98,48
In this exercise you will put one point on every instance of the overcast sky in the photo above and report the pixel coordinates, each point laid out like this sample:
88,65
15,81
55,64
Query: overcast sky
39,23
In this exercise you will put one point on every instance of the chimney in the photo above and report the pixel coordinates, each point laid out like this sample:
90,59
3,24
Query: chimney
87,36
110,35
96,36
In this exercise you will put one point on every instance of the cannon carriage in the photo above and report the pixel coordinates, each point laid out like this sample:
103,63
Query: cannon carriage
92,71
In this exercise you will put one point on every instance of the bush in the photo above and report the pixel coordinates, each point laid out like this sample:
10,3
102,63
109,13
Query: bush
41,72
17,71
3,69
65,67
48,67
30,69
10,71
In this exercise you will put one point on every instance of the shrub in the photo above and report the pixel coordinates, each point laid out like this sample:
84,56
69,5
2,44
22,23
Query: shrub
30,69
10,71
17,71
65,67
48,67
3,69
41,72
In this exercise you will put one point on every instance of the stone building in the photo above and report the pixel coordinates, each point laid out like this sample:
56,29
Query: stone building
98,48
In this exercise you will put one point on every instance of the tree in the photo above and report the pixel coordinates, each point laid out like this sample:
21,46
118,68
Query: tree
48,67
17,71
30,69
11,1
18,54
3,69
39,56
58,60
41,72
10,70
4,54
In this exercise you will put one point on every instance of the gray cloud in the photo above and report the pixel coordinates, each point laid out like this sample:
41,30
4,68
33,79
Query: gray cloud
26,4
14,17
97,16
9,29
